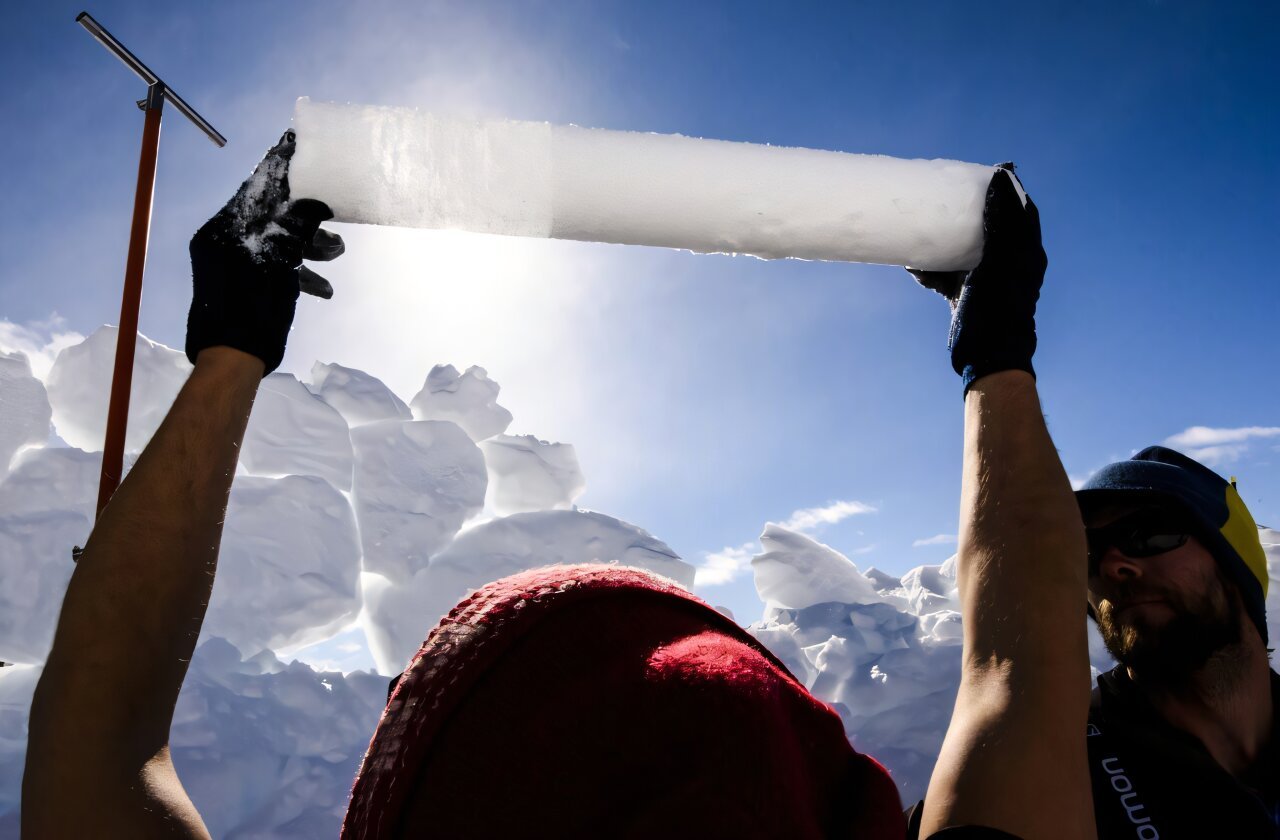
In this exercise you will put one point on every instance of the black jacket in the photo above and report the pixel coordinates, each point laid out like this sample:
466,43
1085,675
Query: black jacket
1154,782
1151,780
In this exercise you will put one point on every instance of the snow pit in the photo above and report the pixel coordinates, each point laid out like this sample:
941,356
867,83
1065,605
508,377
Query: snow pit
397,166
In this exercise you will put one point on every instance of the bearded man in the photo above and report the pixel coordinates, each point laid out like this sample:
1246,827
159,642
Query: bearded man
1182,732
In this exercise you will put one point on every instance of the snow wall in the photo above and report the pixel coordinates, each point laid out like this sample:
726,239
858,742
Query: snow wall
324,591
397,166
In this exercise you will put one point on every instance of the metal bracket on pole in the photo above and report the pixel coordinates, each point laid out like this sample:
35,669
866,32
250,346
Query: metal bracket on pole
155,97
122,378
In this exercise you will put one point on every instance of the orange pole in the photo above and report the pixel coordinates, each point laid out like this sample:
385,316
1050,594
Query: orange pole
122,378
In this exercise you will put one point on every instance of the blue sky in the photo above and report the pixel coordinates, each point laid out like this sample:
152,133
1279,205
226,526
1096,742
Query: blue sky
707,395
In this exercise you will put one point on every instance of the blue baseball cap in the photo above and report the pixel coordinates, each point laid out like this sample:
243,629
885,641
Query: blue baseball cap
1219,516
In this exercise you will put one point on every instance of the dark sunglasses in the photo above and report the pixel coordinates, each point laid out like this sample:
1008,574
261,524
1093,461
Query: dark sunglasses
1144,533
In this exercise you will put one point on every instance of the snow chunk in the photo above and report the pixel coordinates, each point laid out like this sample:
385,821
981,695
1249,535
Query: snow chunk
893,686
797,571
930,589
267,749
46,507
357,396
289,565
79,386
1270,539
416,483
527,474
17,685
24,408
470,400
398,618
294,432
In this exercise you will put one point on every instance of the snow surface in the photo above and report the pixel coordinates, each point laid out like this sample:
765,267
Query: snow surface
469,399
397,166
357,396
294,432
528,474
289,567
268,749
79,398
400,616
417,482
24,408
46,507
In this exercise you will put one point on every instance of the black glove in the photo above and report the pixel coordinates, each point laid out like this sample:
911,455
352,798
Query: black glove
246,263
993,307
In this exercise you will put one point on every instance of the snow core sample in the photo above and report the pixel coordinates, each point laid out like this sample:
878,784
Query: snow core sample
397,166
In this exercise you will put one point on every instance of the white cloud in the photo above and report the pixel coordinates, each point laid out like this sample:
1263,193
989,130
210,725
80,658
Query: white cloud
1219,446
39,341
938,539
720,567
810,518
1198,436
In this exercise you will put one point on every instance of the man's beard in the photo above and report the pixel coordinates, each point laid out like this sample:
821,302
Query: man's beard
1202,625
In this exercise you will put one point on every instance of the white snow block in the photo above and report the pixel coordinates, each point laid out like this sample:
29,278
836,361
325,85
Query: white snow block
1270,539
469,399
416,483
46,507
17,686
795,571
24,408
396,166
527,474
398,618
357,396
293,432
79,386
268,750
289,566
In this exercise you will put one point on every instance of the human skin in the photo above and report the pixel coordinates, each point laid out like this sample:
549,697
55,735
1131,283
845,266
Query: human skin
98,761
1014,756
1227,702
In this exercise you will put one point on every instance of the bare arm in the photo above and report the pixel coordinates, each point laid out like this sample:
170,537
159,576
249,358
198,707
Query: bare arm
98,751
1014,757
98,754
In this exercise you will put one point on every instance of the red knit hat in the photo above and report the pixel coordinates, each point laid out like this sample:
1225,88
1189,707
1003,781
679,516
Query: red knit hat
601,701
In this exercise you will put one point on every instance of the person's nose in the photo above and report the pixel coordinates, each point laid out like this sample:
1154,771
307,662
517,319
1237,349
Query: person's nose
1116,566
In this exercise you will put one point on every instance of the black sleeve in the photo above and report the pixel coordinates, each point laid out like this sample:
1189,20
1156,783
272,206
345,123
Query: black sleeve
972,832
913,820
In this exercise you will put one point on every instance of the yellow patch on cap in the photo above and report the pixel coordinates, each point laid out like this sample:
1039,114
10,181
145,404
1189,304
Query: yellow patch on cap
1241,532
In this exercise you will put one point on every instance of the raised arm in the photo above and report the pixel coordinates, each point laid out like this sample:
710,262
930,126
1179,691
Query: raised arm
98,754
1014,756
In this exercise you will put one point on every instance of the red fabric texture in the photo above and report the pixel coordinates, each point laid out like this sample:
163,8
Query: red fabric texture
600,701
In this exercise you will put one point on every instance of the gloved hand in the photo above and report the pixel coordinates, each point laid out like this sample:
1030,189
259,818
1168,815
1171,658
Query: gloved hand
246,263
993,307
